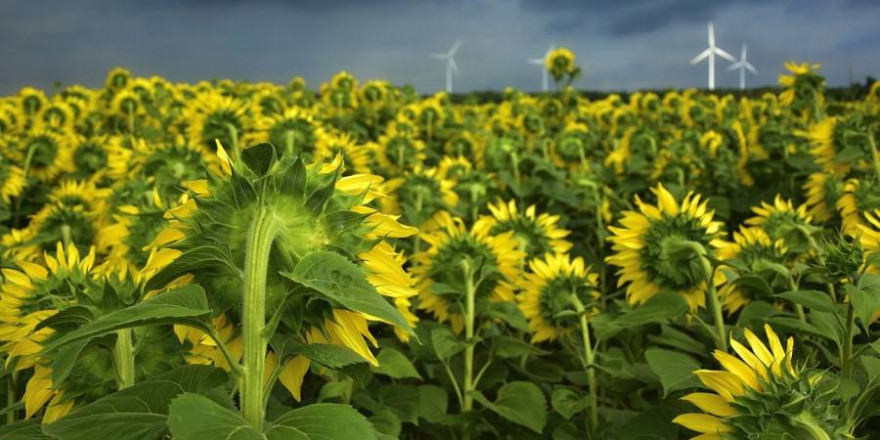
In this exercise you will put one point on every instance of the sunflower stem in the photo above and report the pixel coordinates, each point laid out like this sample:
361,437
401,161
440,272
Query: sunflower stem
123,355
259,244
10,397
874,158
589,361
847,350
470,303
233,137
715,304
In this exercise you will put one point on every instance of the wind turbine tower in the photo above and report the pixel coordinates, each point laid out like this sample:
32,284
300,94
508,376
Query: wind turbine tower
710,53
451,66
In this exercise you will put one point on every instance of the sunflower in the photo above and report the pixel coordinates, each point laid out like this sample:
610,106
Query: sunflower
572,147
213,116
421,196
31,101
49,154
165,164
858,196
537,234
782,221
117,78
751,248
761,393
561,64
90,156
823,192
649,247
330,144
56,115
12,180
216,215
30,294
399,149
438,268
292,131
546,294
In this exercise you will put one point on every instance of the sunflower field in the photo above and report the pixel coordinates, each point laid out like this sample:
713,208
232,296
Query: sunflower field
237,260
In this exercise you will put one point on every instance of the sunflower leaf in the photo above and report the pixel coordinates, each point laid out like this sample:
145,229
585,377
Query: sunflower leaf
341,281
676,370
522,403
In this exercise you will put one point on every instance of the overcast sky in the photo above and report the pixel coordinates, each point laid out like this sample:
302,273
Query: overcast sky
621,44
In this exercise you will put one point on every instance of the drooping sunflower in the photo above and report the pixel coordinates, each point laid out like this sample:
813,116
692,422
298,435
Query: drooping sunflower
573,146
561,64
56,115
90,156
762,394
823,192
440,265
649,243
869,232
537,234
750,248
859,195
547,292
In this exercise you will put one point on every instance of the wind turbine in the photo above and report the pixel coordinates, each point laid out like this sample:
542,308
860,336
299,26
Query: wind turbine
743,65
451,67
545,77
710,53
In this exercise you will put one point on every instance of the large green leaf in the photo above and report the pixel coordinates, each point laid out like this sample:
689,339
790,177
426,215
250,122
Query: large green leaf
813,299
321,421
394,364
660,308
196,417
522,403
29,430
340,280
138,412
676,370
185,305
865,298
328,355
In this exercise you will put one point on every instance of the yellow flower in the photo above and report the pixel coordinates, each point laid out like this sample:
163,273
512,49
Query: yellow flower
750,246
547,290
440,264
646,240
823,192
537,234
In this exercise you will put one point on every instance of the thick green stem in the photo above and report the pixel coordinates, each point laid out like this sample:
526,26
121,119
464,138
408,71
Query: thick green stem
847,349
470,317
123,355
233,137
259,244
10,397
811,426
874,158
715,304
589,362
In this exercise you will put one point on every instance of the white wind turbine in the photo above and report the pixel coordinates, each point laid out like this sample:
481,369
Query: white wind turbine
451,67
545,77
710,53
743,65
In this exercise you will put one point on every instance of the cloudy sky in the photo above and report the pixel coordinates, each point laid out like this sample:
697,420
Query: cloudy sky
621,44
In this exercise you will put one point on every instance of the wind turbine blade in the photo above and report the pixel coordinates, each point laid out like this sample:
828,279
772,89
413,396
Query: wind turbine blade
454,48
744,52
453,66
720,52
751,68
536,61
711,34
702,55
735,65
438,56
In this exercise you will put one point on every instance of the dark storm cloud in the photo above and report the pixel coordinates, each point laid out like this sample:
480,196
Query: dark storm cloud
621,44
630,17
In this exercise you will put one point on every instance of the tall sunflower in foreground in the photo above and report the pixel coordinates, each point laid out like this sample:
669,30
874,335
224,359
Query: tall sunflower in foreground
762,394
439,266
537,234
319,232
547,291
656,247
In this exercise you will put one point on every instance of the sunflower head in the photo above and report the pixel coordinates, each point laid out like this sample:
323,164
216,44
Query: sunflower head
561,63
537,234
664,247
420,195
553,290
782,221
761,393
754,252
117,78
313,214
823,192
292,131
859,196
214,116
